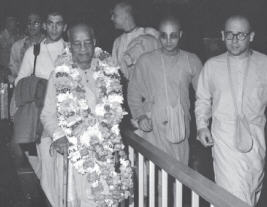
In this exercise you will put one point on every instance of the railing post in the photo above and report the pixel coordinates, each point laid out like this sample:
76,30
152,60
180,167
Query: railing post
195,199
151,184
140,180
164,196
178,193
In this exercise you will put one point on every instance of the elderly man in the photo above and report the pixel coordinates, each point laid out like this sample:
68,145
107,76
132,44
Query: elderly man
34,36
50,48
82,46
82,126
232,90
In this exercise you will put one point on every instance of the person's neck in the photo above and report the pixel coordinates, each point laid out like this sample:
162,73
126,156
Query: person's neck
36,38
244,55
170,53
48,40
129,27
84,66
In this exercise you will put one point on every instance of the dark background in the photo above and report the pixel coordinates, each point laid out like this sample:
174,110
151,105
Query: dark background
201,18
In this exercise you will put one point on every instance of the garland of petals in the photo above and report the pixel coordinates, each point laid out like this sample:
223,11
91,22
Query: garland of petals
94,135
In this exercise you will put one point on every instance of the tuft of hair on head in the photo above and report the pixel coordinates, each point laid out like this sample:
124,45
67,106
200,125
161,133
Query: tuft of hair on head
240,16
74,25
128,6
170,17
55,12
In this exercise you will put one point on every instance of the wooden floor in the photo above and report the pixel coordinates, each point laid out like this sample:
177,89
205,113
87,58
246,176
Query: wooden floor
19,186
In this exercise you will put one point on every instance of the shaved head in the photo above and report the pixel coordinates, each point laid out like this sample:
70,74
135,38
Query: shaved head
81,27
241,19
82,44
170,20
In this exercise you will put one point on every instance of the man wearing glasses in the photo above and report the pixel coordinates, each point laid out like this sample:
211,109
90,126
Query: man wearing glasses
34,36
232,90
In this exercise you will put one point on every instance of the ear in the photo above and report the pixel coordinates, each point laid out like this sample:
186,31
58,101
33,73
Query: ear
223,37
181,34
65,27
44,26
251,36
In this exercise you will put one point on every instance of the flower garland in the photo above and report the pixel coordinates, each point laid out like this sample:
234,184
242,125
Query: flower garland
94,134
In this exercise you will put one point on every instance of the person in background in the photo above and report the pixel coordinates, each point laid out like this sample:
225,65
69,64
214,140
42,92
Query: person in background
18,49
8,36
123,18
50,49
232,90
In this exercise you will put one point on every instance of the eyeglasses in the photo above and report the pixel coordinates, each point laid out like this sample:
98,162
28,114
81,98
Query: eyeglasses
35,23
239,36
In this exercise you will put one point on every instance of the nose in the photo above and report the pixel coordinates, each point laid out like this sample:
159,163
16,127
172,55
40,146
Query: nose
83,48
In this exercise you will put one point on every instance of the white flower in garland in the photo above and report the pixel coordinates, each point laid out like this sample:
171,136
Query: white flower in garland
94,134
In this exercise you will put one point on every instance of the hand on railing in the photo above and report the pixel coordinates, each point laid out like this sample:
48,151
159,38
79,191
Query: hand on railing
145,123
204,136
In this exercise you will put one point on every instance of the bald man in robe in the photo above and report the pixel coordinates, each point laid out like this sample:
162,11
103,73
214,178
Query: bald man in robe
232,90
82,44
158,92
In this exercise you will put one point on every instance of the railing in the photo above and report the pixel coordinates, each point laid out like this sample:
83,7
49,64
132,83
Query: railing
140,150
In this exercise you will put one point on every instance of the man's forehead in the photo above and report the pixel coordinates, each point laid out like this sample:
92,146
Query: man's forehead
237,24
33,17
169,27
81,30
55,18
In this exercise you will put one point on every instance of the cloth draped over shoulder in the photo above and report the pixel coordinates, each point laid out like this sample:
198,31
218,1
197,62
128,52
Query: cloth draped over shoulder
147,95
129,46
29,96
239,172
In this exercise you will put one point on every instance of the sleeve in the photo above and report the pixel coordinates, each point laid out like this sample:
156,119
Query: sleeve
137,91
49,112
14,61
26,67
115,51
195,66
203,98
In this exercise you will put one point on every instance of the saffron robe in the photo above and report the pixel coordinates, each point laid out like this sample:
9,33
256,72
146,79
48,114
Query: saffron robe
239,173
79,193
147,83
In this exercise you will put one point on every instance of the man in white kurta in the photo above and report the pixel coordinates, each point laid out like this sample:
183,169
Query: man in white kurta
51,47
82,43
237,169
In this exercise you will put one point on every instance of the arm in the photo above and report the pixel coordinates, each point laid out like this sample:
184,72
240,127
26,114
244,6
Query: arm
136,93
49,112
195,67
203,107
14,61
26,67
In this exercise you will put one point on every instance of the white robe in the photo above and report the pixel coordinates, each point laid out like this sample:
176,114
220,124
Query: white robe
44,67
79,194
239,173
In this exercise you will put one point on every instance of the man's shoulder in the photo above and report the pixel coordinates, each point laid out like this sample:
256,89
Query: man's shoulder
19,43
259,57
217,59
188,54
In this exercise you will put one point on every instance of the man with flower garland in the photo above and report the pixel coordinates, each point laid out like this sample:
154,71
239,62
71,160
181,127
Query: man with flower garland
50,48
81,113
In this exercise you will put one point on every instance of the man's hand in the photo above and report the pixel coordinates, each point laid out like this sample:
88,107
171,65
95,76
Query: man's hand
145,123
204,136
60,145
